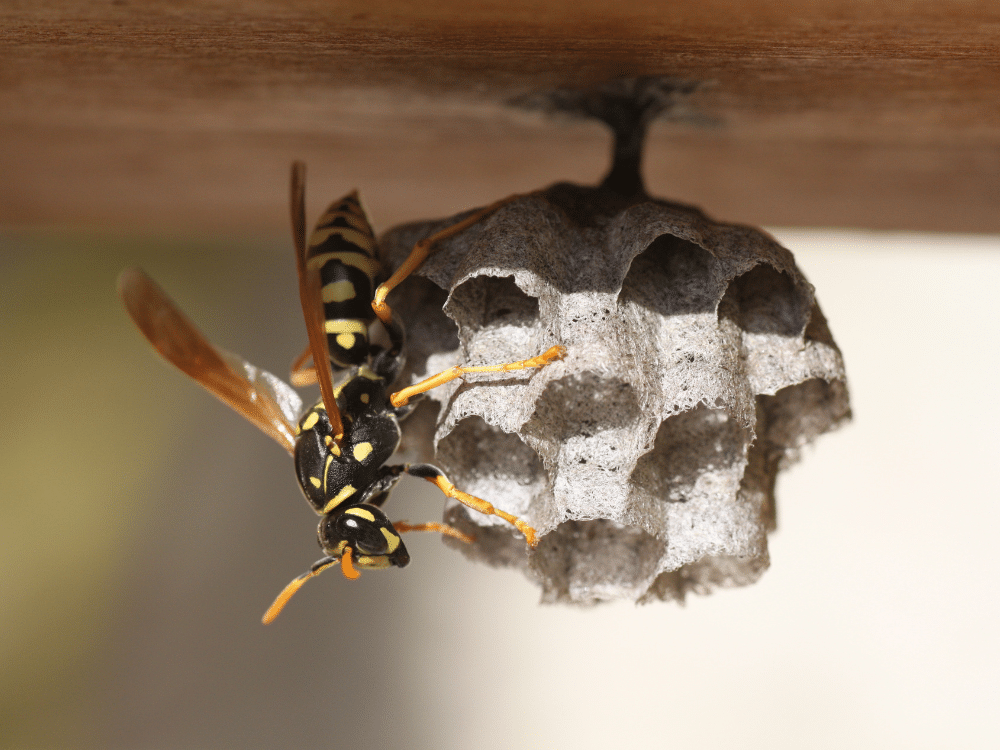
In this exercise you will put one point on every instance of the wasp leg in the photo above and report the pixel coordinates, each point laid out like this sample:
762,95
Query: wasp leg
377,492
387,363
301,373
550,355
402,527
436,477
421,251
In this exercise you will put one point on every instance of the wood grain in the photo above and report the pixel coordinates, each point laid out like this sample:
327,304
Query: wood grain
183,116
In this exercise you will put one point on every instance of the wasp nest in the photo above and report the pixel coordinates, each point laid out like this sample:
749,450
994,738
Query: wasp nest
698,364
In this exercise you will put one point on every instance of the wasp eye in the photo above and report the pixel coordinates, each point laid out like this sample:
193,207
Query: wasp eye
362,532
379,547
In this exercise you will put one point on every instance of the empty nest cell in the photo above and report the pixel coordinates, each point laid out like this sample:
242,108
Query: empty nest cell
698,365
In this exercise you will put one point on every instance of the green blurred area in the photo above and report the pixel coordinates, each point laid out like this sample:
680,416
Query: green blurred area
146,526
86,434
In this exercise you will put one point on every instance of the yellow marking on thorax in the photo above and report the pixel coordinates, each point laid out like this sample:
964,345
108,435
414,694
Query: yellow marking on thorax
362,451
366,372
326,470
315,482
360,238
338,291
361,512
368,266
311,420
391,538
330,443
346,340
344,325
346,492
365,398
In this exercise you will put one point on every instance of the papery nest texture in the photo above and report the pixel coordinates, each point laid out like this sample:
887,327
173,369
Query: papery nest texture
698,364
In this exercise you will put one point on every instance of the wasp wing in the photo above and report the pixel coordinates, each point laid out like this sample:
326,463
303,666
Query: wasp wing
267,386
258,395
312,306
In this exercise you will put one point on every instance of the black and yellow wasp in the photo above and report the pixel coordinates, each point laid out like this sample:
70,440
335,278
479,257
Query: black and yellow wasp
342,443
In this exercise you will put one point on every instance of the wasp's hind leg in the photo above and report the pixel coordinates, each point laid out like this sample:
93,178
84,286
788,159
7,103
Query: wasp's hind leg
422,250
303,374
547,357
435,476
387,362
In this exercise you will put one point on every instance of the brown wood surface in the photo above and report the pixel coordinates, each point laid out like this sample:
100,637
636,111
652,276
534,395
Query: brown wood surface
178,116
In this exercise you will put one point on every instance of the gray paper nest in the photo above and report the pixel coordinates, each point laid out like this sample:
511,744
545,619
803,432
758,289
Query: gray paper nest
698,364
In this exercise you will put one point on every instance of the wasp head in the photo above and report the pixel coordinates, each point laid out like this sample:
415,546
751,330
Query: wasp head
365,529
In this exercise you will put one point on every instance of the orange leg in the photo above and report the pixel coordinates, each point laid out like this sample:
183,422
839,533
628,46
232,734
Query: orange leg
421,251
402,527
303,375
550,355
436,477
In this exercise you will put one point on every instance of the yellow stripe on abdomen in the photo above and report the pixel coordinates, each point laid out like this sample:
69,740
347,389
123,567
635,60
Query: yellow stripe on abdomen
367,265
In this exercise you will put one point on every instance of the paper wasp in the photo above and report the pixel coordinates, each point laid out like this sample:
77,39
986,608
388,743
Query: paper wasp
342,443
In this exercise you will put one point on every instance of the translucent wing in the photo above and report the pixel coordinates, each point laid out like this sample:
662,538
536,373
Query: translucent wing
312,306
258,395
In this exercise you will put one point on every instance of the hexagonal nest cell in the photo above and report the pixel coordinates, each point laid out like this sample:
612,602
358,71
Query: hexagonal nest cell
698,364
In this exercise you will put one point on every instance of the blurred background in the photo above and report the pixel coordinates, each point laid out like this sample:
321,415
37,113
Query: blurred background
145,528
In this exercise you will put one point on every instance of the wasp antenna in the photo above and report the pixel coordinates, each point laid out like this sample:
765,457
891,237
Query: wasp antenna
289,591
258,396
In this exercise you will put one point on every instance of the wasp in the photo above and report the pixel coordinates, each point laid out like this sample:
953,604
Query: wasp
341,444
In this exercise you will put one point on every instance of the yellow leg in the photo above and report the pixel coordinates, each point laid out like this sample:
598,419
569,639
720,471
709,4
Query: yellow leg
403,527
421,251
402,397
434,476
303,375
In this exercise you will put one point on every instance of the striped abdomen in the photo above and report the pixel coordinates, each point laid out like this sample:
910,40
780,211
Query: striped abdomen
342,247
